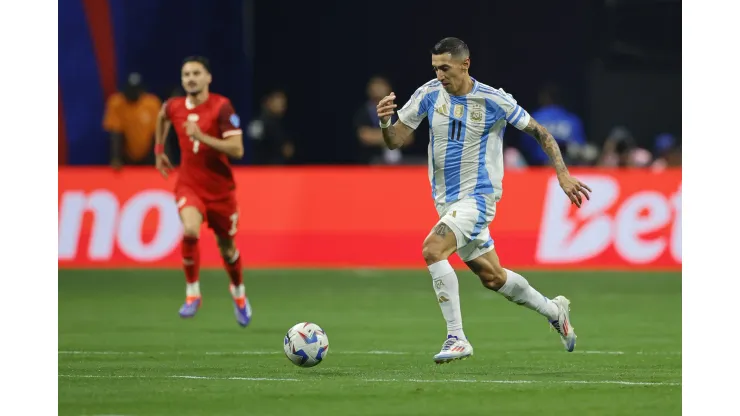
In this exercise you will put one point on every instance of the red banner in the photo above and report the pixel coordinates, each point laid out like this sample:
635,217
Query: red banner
371,217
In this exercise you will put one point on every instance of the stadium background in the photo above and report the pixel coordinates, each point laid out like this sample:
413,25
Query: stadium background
619,62
338,243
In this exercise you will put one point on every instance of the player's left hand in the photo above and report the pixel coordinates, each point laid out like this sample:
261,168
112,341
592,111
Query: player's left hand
163,164
574,188
192,130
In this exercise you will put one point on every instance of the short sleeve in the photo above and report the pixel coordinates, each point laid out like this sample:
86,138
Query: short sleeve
515,114
228,121
112,121
167,108
414,111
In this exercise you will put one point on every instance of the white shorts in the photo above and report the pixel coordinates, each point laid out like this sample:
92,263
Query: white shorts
469,218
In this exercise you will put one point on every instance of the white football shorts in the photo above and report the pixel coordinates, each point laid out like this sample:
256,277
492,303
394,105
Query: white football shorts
469,218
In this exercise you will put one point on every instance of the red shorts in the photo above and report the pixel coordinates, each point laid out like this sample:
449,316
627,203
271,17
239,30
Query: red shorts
221,215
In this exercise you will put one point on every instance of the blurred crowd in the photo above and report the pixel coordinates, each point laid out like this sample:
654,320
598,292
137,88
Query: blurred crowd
130,118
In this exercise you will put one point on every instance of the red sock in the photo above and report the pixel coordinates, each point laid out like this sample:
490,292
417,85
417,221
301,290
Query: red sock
233,267
190,258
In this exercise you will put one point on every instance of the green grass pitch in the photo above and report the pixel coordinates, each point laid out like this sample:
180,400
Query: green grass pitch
124,350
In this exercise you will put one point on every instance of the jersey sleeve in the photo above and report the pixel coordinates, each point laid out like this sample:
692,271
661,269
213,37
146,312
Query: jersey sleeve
515,114
167,107
228,121
415,109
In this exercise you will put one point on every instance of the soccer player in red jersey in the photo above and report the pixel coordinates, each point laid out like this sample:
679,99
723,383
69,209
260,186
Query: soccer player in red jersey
208,131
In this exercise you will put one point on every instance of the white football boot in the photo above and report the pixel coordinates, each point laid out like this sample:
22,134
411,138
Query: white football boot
562,325
453,349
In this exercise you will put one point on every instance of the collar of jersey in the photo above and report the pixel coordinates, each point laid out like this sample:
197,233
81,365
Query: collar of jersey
473,91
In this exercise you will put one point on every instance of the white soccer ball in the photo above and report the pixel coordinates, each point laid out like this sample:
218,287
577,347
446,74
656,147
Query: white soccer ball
306,344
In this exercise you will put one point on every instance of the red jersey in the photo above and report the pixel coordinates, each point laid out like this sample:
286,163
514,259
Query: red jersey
203,169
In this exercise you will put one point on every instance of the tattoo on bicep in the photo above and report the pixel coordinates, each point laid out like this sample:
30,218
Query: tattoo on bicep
442,229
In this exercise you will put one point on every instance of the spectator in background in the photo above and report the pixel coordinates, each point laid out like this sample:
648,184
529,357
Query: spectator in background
620,150
270,140
565,127
367,129
130,118
513,159
667,152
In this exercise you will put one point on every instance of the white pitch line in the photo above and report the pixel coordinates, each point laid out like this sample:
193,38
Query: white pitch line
374,352
626,383
107,352
236,378
222,353
388,380
623,353
177,376
243,352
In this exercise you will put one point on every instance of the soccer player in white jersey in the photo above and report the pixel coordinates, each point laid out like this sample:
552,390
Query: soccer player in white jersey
466,126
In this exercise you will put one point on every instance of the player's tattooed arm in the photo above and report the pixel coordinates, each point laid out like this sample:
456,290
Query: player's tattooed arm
396,135
572,187
548,144
442,229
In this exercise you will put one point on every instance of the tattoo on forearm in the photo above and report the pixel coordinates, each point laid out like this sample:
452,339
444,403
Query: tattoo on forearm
442,229
389,136
548,144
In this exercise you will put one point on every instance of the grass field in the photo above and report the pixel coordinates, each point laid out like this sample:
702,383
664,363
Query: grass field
123,349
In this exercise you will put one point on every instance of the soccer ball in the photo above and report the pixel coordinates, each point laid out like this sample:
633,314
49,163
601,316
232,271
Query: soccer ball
306,344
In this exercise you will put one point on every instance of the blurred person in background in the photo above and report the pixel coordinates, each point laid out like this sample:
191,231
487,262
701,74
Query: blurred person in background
620,150
513,159
370,138
566,127
667,152
131,119
270,139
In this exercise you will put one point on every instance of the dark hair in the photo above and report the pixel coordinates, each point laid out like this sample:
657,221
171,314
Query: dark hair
454,46
199,59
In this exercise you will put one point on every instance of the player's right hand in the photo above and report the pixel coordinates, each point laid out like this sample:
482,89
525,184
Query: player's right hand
163,165
385,107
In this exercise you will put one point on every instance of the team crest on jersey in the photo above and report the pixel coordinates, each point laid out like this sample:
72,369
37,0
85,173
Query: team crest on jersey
193,117
234,119
458,110
476,115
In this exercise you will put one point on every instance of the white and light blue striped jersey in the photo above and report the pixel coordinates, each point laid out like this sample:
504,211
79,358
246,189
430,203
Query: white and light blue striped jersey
465,137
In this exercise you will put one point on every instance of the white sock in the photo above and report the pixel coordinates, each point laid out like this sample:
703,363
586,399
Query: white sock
237,291
518,290
446,286
192,289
